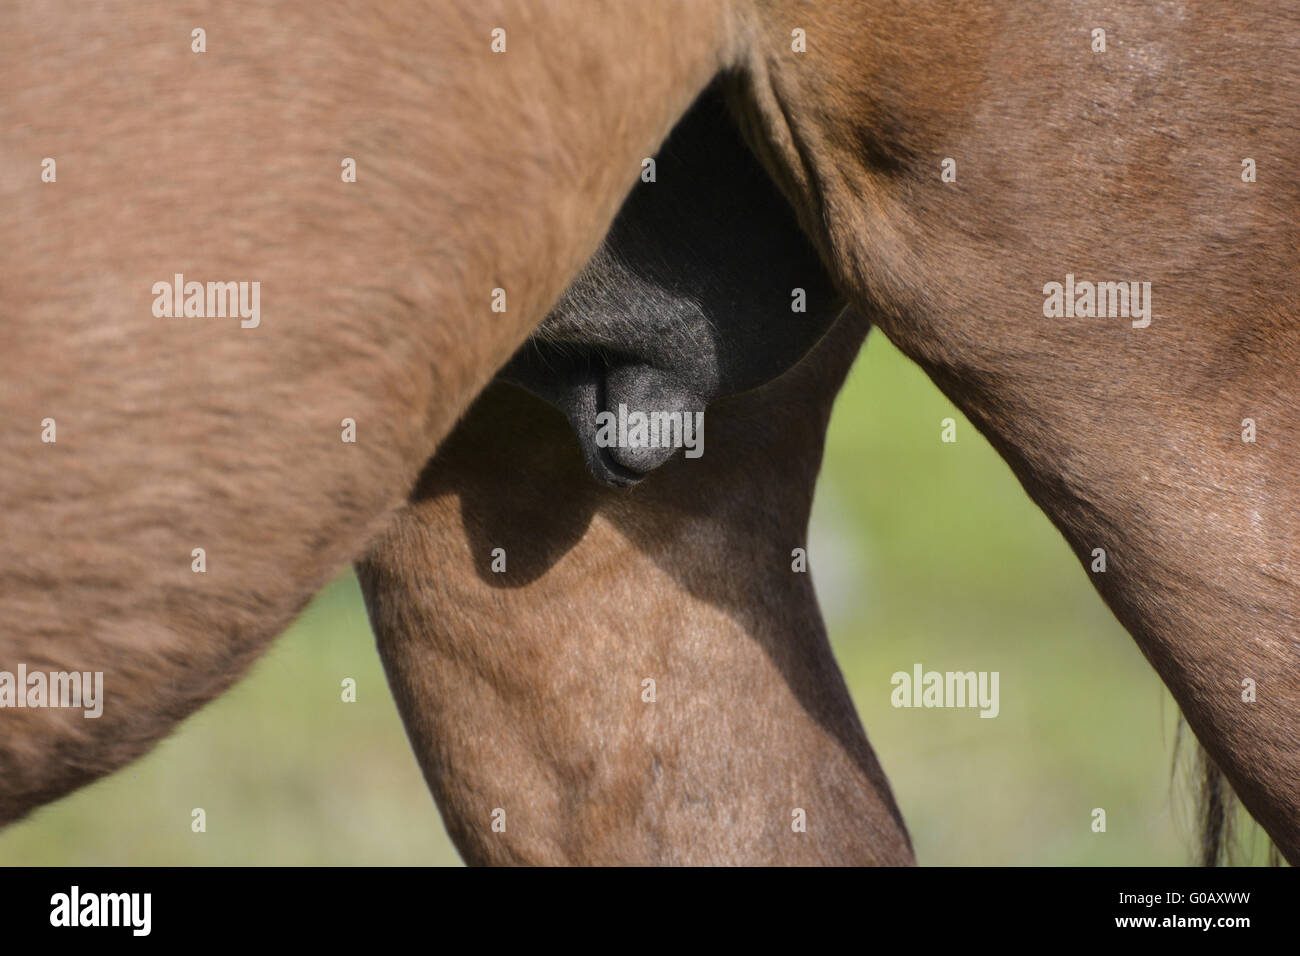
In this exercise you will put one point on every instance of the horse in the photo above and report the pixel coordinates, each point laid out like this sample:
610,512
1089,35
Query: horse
178,487
653,668
955,170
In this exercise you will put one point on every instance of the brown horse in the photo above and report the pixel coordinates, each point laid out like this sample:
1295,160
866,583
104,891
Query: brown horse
646,681
217,146
592,675
957,170
1038,388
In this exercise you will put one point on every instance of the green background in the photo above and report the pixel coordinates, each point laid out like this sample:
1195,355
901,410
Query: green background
922,551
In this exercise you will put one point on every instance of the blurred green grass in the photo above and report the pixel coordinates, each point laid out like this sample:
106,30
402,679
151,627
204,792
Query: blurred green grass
923,552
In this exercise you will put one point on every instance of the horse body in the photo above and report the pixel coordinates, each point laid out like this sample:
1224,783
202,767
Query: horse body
1124,166
643,676
1121,166
645,679
476,171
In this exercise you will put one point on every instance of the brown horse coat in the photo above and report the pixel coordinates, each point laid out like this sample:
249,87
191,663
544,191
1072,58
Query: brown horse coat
488,171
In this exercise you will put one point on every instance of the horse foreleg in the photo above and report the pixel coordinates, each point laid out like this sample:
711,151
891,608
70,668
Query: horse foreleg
642,677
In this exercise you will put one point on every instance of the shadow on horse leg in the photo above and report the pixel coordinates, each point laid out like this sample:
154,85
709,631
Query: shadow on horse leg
643,678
